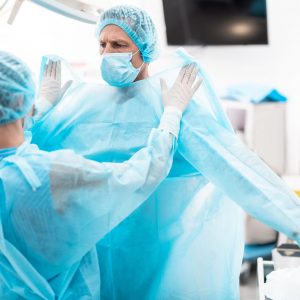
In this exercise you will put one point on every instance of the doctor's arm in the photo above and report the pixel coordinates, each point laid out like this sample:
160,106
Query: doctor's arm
223,159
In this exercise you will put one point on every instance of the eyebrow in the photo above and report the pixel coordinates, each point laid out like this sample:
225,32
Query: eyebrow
116,41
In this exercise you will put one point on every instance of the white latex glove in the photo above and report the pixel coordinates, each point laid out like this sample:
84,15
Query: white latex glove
51,89
170,120
182,91
177,98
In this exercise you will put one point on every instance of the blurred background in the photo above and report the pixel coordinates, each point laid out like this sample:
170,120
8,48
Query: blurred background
250,49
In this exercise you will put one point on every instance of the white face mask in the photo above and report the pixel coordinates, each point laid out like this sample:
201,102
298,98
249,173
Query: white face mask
117,69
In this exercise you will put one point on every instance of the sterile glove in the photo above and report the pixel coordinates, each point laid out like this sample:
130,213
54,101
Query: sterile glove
182,91
51,89
170,120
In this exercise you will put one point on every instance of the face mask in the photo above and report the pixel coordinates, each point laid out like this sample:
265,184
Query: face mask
117,69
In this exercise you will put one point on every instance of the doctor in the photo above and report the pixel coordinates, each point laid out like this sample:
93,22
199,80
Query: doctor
186,240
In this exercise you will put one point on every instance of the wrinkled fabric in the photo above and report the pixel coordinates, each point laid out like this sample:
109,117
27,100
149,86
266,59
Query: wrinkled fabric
55,207
186,240
17,89
254,93
137,24
7,152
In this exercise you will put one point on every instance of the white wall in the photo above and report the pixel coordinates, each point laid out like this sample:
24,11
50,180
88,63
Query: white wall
37,32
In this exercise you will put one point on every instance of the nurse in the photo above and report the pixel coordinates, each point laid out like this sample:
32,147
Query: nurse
55,206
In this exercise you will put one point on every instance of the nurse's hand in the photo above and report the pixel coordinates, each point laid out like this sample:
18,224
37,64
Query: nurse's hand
51,89
182,91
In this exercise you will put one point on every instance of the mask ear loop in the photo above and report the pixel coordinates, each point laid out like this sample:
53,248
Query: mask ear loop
135,52
140,68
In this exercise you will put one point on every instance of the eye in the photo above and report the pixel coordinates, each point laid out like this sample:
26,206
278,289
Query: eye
117,45
102,45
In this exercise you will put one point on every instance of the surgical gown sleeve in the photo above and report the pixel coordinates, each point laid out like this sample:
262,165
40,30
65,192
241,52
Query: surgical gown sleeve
87,200
238,172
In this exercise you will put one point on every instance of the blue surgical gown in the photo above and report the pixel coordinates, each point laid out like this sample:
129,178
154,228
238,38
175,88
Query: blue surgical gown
186,240
56,206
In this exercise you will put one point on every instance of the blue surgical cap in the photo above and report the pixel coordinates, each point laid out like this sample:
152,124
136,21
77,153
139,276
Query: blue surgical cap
17,89
137,24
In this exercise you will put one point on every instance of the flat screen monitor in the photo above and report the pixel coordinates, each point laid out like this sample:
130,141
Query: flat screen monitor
216,22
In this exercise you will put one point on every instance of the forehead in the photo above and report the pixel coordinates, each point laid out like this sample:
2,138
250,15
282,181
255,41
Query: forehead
114,32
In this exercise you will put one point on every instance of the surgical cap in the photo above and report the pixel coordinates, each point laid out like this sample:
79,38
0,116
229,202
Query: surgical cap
137,24
17,89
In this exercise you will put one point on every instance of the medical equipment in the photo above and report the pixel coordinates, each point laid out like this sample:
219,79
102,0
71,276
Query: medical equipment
283,284
286,255
276,278
279,279
84,11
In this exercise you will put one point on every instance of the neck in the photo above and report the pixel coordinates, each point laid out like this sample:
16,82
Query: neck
143,73
11,135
